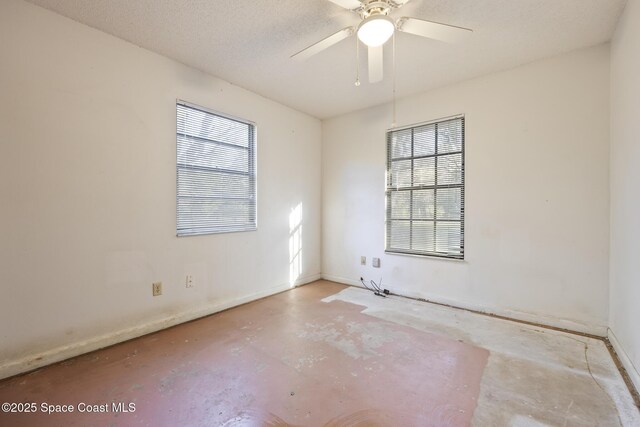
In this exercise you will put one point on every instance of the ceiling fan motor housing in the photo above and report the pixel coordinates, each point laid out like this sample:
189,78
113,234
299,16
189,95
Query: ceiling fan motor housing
375,7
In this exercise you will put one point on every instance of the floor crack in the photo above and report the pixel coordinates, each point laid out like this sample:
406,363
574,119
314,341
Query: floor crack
586,359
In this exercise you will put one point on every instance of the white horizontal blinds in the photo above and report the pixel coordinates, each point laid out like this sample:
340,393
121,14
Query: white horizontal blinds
425,189
216,173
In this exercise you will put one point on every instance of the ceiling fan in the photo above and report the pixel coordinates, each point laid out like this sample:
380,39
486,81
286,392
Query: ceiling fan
376,29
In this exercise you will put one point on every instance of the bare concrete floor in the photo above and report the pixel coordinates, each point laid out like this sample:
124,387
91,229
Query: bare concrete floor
329,355
534,376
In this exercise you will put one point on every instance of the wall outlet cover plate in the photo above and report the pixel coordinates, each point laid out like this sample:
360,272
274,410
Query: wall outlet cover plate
156,289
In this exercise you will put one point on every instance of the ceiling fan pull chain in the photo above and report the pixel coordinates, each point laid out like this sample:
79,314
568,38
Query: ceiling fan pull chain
357,62
393,77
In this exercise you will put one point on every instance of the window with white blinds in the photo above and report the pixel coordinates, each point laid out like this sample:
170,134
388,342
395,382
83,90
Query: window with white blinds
216,172
425,189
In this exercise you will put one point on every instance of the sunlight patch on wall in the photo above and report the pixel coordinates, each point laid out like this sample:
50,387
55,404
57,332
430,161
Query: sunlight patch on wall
295,244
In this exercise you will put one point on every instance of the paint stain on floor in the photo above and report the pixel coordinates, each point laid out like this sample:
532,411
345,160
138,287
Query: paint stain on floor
290,359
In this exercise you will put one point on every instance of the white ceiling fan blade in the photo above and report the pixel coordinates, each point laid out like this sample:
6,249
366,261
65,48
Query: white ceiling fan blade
324,44
376,64
348,4
433,30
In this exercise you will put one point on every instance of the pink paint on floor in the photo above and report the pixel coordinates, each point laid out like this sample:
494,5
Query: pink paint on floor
289,359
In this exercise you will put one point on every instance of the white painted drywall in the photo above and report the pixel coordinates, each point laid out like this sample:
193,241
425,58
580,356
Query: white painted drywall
88,191
625,187
537,193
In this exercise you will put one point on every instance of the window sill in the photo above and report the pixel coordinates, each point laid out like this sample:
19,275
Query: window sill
209,232
426,256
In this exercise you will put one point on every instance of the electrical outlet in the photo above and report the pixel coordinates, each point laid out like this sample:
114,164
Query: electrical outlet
189,281
376,263
363,260
157,289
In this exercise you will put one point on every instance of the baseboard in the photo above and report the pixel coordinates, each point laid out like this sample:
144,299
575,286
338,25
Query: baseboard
28,363
628,365
342,280
307,279
549,321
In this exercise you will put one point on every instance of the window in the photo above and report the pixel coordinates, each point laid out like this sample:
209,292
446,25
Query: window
425,189
216,172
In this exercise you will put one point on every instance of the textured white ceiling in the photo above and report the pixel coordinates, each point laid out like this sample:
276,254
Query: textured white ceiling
249,42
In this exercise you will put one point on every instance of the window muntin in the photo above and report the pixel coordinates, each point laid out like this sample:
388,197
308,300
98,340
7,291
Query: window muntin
425,189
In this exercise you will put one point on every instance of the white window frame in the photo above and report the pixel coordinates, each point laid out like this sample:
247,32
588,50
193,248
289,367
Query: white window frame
390,189
252,220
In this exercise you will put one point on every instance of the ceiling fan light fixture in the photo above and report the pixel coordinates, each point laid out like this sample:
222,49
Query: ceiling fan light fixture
376,30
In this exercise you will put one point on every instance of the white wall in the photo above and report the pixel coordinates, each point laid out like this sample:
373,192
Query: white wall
625,181
87,183
88,192
537,193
